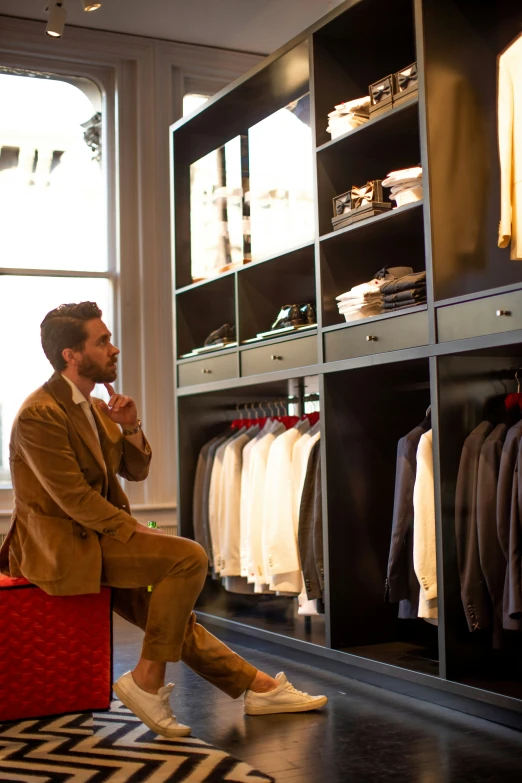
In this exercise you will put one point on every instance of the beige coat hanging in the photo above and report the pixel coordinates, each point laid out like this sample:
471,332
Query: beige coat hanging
510,147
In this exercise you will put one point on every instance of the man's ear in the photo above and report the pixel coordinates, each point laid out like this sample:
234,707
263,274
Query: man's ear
68,356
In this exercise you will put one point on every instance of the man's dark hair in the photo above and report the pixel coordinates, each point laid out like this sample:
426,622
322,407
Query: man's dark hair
64,327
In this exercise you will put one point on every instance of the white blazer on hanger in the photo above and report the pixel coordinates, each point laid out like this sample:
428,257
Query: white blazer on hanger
510,147
424,538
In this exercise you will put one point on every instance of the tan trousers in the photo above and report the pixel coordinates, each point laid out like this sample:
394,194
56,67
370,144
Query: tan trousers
177,568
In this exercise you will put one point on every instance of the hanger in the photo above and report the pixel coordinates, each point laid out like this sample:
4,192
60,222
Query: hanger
514,400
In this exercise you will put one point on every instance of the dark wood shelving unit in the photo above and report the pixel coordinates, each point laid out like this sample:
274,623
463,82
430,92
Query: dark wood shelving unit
377,376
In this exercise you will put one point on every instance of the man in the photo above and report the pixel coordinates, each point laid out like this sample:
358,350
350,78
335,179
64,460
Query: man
72,529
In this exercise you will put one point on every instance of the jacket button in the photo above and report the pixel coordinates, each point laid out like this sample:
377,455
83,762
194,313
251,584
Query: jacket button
83,534
109,531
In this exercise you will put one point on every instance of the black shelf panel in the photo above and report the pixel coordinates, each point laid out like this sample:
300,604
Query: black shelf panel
389,119
395,214
405,655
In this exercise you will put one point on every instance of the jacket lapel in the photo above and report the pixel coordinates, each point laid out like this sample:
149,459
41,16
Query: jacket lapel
62,393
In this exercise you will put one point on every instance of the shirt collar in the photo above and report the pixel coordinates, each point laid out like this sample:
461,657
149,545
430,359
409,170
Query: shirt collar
77,396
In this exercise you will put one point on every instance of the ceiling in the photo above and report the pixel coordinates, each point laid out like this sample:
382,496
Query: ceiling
259,26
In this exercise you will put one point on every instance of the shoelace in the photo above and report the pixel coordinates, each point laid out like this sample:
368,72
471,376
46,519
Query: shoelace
289,687
167,709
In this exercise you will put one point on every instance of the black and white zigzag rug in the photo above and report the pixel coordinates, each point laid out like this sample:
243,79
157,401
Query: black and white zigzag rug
111,747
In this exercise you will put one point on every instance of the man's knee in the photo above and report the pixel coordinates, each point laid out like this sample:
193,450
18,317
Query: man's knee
198,556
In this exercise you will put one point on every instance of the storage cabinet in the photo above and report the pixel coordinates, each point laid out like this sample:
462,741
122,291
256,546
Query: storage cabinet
374,378
208,370
388,334
279,356
479,317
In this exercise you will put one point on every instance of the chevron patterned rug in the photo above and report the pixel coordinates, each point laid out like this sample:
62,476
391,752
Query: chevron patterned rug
112,747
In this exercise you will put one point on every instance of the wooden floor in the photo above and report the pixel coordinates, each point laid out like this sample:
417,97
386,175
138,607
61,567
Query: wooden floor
365,734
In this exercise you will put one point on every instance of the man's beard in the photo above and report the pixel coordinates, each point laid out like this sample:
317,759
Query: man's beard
95,372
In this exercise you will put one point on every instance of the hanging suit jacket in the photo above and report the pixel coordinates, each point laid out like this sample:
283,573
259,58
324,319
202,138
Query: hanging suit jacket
506,510
492,560
473,587
510,147
279,539
310,533
402,584
201,490
66,491
514,566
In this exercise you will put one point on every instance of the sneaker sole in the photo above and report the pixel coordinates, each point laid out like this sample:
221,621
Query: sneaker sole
316,705
129,703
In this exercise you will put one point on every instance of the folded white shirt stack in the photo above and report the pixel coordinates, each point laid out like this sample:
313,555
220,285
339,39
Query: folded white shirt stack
362,300
349,115
405,184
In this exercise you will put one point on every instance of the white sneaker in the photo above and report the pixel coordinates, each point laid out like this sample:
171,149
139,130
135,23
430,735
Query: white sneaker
285,698
151,708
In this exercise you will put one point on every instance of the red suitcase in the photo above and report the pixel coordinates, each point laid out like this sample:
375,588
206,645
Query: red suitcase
55,651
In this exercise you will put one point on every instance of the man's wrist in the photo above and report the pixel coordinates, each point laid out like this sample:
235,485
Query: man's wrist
127,430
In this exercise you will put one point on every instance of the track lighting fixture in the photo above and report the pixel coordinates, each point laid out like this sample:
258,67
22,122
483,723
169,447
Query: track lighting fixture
58,14
56,20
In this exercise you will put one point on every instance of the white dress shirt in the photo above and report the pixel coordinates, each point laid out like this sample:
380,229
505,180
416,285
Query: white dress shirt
85,404
424,538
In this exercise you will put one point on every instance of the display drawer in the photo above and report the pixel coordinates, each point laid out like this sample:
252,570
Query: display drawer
281,356
388,334
490,315
217,368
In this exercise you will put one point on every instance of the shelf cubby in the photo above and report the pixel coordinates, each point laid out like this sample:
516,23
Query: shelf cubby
370,153
202,309
265,287
488,658
368,42
353,255
366,412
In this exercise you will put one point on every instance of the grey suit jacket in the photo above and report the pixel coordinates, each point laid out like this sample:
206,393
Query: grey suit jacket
473,586
507,510
201,492
402,584
492,560
310,533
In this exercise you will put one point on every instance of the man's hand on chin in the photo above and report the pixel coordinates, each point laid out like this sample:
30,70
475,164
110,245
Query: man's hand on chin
120,409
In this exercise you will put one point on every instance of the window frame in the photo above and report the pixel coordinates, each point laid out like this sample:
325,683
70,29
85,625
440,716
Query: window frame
143,82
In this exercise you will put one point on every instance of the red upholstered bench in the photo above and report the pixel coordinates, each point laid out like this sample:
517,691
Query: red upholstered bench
55,652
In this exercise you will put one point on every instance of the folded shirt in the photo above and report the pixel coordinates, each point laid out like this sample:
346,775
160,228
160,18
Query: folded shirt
405,296
388,306
402,175
415,280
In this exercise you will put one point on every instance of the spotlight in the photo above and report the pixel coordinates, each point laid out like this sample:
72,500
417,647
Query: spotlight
56,21
90,5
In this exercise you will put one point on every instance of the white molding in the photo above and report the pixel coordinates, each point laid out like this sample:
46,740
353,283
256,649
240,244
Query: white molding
143,81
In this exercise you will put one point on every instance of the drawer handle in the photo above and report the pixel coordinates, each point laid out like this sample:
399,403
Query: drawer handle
206,371
503,312
276,358
371,337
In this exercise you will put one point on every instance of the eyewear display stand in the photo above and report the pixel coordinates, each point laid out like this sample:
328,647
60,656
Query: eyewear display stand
375,377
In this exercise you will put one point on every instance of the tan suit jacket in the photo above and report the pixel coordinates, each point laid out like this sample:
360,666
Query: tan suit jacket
66,491
510,147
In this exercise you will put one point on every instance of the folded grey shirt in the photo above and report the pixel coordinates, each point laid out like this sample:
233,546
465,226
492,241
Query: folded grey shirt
404,283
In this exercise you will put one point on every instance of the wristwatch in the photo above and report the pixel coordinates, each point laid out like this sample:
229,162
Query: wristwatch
132,432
